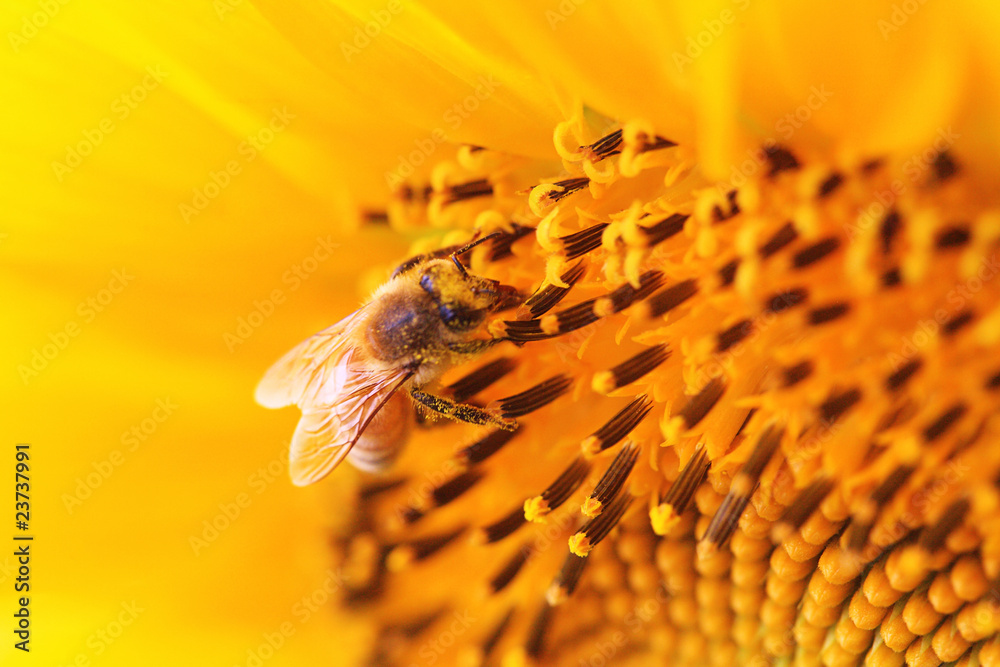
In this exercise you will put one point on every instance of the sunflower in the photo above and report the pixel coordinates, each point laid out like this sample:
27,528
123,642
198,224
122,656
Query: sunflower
756,370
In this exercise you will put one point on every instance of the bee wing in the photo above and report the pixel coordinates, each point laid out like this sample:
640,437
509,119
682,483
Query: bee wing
326,433
310,369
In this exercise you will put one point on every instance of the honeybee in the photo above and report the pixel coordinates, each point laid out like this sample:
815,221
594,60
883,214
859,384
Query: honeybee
350,380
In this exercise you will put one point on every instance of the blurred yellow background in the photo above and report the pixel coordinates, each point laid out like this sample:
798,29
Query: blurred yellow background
176,189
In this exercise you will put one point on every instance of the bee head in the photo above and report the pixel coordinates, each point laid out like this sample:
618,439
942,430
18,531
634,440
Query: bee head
462,299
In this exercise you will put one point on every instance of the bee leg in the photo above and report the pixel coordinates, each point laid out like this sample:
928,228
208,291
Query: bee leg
473,347
461,411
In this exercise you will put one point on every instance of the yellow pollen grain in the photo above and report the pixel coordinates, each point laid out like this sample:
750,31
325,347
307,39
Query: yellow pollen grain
603,382
591,507
590,446
580,545
663,518
536,509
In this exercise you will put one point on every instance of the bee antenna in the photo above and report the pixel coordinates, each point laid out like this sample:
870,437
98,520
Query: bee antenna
469,246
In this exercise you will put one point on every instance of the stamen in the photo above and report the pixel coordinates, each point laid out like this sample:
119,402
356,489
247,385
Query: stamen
815,252
535,642
993,382
618,426
547,297
478,188
509,570
582,542
795,374
782,301
892,278
565,582
728,515
611,481
953,237
944,166
405,554
583,241
828,186
494,637
888,230
606,146
500,247
734,208
933,537
537,508
733,335
727,274
664,229
630,370
370,491
537,397
779,240
952,326
481,378
566,188
622,297
801,509
570,319
835,407
699,405
825,314
485,447
863,519
501,528
665,301
900,377
444,493
373,217
668,513
656,144
940,425
781,159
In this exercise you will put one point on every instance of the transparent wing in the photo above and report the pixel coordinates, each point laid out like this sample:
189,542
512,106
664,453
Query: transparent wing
326,433
333,382
311,369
